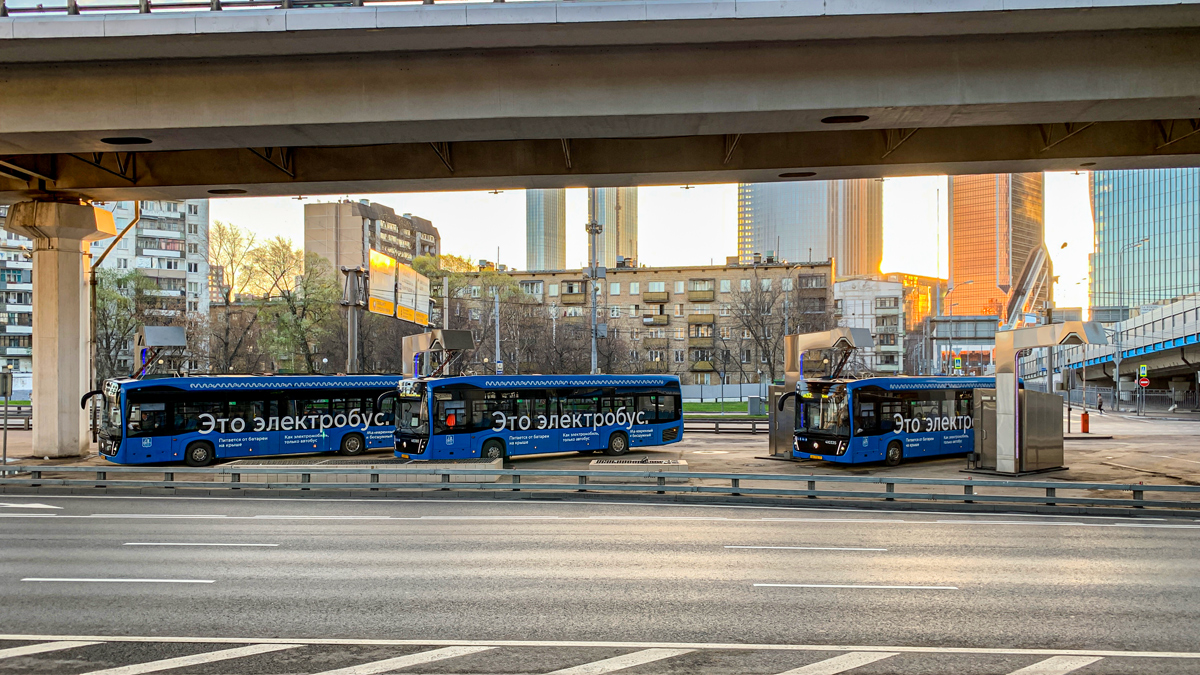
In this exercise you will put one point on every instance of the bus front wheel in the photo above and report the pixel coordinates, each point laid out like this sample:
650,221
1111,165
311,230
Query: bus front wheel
895,454
353,444
492,449
618,444
199,454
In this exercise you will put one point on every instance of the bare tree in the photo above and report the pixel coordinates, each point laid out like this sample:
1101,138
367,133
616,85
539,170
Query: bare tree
757,311
233,322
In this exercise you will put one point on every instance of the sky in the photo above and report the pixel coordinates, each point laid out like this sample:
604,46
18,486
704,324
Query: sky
694,225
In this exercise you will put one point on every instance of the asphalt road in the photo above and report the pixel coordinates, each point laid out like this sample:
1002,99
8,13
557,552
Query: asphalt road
612,580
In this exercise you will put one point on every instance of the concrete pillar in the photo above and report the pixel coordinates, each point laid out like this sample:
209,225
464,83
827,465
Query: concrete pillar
60,317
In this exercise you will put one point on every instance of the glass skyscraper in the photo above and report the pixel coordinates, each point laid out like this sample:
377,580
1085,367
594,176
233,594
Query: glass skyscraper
617,210
813,220
996,220
1159,206
545,230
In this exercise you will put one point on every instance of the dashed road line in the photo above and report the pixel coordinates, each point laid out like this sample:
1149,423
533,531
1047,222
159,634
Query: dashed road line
44,647
1057,665
810,548
167,543
622,662
867,586
120,581
840,664
420,658
193,660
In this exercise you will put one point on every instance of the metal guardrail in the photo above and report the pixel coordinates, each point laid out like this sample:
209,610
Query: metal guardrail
714,425
75,8
1049,491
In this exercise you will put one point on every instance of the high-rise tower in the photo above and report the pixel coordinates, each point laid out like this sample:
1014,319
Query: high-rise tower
545,230
616,209
996,220
813,220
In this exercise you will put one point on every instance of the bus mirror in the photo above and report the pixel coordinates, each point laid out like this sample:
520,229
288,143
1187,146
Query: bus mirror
83,401
783,399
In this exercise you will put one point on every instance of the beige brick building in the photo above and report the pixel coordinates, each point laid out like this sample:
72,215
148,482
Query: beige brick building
695,322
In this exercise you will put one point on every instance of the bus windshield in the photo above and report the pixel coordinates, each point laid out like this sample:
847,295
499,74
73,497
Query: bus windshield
824,411
413,416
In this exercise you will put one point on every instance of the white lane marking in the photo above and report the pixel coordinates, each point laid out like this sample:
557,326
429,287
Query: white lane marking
910,588
123,581
1178,459
388,665
840,664
621,662
1057,665
193,660
167,543
812,548
28,506
735,646
44,647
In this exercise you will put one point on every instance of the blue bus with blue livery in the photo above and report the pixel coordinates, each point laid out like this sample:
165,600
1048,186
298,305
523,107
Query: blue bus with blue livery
505,416
885,419
201,419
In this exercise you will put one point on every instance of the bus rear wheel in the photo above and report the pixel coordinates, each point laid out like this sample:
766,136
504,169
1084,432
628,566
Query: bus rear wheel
492,449
895,454
618,444
353,444
199,453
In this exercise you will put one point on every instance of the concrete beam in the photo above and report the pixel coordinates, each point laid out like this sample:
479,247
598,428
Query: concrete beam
413,167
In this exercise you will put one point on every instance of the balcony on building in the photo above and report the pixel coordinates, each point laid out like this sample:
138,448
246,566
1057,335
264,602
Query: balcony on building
16,264
701,318
573,298
18,329
14,307
656,319
658,367
701,290
18,351
700,342
16,285
656,297
702,367
150,231
656,342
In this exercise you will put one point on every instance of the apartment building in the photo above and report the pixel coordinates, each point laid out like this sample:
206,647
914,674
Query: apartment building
16,308
877,306
342,232
703,324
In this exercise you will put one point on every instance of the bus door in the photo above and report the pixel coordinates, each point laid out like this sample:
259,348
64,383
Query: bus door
239,438
530,407
299,431
148,432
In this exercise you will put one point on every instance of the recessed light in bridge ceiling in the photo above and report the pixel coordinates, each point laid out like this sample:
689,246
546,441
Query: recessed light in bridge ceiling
798,174
1088,164
845,119
126,140
227,191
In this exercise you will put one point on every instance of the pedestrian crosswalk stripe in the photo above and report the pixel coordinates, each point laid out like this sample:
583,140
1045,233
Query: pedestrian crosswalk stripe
193,660
42,648
388,665
840,664
622,662
1057,665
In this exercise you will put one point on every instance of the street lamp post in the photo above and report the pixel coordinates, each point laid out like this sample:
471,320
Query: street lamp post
594,229
950,339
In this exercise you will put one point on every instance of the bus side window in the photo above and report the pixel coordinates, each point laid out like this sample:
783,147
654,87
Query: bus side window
187,414
647,404
866,421
668,411
148,419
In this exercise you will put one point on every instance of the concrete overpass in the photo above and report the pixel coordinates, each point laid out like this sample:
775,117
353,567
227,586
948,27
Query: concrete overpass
542,94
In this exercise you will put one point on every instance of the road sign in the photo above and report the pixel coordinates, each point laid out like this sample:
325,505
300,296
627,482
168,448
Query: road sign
1142,370
499,367
1144,382
958,363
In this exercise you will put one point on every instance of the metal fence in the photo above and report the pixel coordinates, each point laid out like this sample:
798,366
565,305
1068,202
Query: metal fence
717,392
883,488
76,7
1148,400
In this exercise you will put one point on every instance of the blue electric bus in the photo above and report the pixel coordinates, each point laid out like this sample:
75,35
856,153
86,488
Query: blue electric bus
886,419
205,418
495,417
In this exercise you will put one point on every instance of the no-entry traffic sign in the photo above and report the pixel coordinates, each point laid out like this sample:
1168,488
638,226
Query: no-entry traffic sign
1144,382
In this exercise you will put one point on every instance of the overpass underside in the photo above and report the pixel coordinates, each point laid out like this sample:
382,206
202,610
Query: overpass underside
392,99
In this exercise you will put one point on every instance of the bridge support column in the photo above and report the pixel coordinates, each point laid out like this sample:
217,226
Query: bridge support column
60,317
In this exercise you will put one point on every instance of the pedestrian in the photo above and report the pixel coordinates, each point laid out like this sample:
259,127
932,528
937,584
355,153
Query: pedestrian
1100,403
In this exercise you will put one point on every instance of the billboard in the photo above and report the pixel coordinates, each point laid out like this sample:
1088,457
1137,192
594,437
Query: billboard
407,298
381,297
422,308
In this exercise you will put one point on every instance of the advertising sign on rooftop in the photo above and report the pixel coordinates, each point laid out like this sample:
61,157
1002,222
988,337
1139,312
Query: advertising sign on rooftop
381,298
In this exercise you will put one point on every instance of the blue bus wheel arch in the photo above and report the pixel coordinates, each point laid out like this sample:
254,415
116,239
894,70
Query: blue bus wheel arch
493,448
199,453
895,453
618,443
353,444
